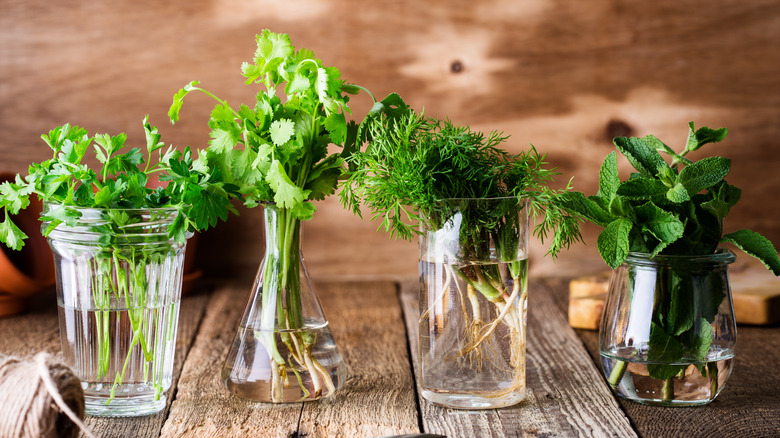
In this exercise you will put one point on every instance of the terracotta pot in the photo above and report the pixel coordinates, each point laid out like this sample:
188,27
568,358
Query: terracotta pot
29,271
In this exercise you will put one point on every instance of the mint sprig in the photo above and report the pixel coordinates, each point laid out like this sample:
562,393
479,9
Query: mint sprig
674,208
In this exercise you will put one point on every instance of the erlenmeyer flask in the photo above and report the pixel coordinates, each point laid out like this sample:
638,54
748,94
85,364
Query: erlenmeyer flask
283,351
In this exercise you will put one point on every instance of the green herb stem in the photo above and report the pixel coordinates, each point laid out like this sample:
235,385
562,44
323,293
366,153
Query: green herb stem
617,372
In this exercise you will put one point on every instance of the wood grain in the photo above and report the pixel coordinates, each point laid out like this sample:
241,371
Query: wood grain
747,405
366,323
38,330
564,76
564,398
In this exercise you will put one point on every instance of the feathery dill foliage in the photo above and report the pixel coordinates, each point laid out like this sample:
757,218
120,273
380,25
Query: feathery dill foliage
413,162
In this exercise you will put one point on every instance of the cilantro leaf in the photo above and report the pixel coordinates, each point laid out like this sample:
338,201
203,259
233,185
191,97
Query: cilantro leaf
287,194
281,131
173,111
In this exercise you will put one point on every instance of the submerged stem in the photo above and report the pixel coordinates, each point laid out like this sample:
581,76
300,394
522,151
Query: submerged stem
617,373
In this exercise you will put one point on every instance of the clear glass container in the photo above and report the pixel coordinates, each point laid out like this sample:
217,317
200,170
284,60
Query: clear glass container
668,332
118,292
283,351
473,275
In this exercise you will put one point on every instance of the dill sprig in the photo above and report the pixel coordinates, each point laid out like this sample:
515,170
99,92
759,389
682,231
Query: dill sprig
412,162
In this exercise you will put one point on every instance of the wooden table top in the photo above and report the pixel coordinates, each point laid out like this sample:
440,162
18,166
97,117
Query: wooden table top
375,326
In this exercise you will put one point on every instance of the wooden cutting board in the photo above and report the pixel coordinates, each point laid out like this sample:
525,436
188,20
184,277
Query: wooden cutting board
755,292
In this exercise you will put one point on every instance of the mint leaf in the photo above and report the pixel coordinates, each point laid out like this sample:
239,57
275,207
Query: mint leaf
608,178
641,188
588,208
663,348
704,174
699,137
678,194
641,155
613,242
702,340
725,197
756,245
663,225
281,131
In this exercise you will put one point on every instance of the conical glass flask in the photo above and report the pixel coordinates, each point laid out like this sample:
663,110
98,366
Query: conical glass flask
283,351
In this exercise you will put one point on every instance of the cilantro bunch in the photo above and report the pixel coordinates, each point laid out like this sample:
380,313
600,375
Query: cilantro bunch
122,181
277,149
674,208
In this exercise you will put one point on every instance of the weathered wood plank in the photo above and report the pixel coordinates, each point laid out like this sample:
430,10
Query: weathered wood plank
378,398
565,393
38,330
366,323
749,405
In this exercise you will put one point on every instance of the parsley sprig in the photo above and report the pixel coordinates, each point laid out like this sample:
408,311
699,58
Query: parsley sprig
123,180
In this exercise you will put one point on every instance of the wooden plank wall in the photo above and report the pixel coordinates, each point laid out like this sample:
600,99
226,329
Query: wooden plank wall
565,76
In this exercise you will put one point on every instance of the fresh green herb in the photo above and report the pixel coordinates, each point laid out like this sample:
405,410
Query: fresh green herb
122,183
276,152
419,175
196,191
670,209
413,162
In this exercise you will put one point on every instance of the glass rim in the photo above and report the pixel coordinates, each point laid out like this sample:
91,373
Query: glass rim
138,210
721,255
495,198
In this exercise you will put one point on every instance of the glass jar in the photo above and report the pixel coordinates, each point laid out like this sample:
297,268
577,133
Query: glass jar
118,277
668,331
473,274
283,351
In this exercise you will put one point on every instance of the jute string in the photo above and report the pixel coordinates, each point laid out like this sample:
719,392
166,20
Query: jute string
40,398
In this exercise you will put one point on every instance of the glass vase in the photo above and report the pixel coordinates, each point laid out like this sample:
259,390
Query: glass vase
668,331
473,275
118,277
283,350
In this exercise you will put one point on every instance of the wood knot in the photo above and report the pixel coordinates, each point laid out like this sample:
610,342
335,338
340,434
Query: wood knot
617,128
456,66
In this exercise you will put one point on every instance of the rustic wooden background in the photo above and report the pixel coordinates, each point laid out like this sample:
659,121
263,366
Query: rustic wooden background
565,76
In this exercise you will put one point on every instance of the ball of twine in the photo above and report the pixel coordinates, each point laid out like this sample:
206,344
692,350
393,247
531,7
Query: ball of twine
40,398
